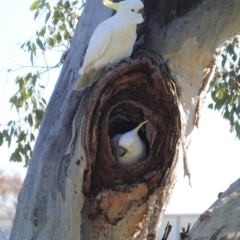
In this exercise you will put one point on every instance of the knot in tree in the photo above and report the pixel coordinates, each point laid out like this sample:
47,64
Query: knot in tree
115,104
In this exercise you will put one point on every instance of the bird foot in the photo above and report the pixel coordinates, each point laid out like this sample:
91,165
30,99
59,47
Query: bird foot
113,66
128,60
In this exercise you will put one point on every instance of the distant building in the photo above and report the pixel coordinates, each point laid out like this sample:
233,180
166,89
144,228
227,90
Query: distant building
176,220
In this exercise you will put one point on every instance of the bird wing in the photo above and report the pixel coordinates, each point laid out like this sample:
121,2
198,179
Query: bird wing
98,44
116,138
114,143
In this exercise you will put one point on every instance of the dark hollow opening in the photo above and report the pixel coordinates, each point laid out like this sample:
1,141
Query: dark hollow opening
125,117
142,94
120,127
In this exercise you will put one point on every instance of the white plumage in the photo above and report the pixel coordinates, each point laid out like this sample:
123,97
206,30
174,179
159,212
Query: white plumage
130,149
112,40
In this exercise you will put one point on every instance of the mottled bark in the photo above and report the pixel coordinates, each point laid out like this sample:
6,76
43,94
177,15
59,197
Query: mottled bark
73,189
118,200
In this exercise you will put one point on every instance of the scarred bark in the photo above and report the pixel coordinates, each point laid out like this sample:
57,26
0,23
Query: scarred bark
118,200
73,189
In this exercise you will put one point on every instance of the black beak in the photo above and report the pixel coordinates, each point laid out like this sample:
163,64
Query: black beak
122,151
141,11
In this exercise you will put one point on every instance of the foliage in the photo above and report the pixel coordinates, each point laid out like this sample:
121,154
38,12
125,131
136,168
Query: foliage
60,21
225,87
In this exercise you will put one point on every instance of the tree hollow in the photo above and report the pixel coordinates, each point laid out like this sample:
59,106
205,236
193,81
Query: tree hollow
117,102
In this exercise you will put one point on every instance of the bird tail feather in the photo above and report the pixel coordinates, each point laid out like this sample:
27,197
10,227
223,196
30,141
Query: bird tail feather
86,80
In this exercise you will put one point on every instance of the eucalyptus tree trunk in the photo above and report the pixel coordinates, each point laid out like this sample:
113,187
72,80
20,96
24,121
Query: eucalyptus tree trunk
221,220
73,188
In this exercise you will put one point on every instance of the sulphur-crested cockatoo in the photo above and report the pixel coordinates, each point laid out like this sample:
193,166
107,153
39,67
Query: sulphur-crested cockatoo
112,40
130,149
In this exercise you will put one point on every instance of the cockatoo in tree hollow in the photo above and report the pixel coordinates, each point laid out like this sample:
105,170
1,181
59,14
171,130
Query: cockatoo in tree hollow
112,40
130,149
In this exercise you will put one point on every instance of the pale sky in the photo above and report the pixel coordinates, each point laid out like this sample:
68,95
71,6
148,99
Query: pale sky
214,152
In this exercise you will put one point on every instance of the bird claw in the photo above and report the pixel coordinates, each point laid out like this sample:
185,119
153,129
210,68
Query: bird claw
128,60
113,66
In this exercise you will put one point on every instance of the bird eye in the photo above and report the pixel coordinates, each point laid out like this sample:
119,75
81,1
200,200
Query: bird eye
132,10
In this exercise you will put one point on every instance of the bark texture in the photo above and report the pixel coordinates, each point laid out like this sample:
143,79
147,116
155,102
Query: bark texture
221,220
118,200
73,189
187,34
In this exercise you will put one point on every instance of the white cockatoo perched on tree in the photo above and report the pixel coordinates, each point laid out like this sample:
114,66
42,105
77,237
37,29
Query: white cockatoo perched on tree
129,147
112,40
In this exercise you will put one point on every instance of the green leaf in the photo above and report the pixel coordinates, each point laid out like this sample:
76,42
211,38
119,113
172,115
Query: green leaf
47,16
226,115
235,40
219,105
39,114
35,5
31,58
59,37
21,136
34,79
54,39
30,120
56,19
41,86
66,35
39,43
32,137
9,123
34,49
29,75
43,31
16,157
9,140
34,102
11,131
210,106
36,14
28,147
67,4
230,49
63,27
22,46
234,57
44,101
224,60
50,42
26,106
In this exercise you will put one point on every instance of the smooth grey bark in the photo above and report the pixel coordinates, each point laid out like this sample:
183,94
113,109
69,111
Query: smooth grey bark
221,220
51,201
